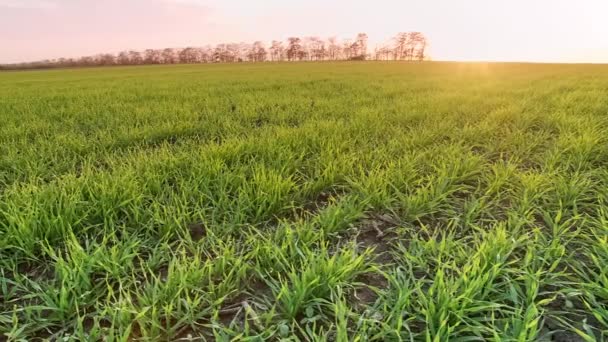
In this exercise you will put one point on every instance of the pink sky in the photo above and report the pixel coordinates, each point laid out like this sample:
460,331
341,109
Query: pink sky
513,30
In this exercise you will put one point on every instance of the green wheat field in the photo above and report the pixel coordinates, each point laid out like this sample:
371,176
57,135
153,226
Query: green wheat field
351,201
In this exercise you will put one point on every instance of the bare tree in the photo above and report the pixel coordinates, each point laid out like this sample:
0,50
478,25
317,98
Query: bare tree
410,47
188,55
360,47
233,52
243,52
123,58
218,53
316,49
347,49
307,47
401,43
277,51
294,48
86,61
105,59
383,53
70,62
149,56
333,48
135,57
418,40
257,53
169,56
61,62
152,56
205,54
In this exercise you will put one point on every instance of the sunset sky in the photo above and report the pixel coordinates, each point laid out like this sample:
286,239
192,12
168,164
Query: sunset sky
514,30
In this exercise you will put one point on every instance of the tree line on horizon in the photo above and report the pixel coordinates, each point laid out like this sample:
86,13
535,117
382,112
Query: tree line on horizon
410,46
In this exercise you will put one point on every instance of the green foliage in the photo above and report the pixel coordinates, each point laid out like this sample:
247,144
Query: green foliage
305,201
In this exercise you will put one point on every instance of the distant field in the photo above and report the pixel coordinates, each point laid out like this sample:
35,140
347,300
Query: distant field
313,202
